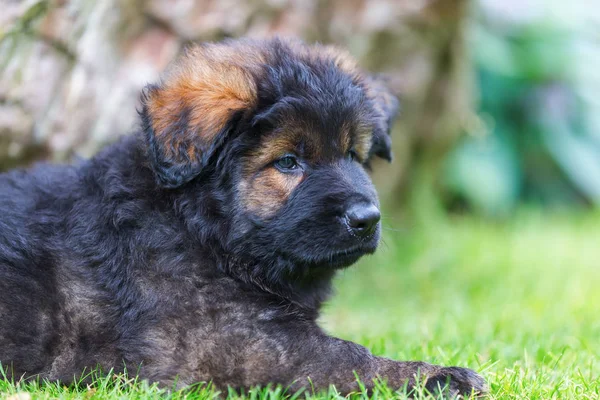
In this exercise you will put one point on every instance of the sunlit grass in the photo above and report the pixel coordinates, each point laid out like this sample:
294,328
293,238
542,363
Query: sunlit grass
518,301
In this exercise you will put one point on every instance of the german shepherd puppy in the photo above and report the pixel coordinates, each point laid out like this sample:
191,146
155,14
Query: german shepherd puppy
202,248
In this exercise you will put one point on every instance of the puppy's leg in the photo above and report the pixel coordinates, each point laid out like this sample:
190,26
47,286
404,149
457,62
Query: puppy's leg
279,348
335,361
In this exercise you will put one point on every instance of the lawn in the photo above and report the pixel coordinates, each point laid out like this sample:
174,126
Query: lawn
518,301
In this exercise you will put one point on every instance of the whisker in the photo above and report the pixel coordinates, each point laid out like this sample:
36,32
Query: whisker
385,244
395,230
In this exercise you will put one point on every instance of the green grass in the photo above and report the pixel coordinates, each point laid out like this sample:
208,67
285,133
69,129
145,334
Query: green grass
518,301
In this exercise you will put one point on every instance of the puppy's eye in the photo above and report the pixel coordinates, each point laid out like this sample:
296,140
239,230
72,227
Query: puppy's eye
287,163
351,155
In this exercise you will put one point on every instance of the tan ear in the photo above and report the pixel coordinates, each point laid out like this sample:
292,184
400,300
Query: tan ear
188,116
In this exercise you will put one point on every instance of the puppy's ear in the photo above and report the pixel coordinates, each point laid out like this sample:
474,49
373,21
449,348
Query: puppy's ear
187,118
386,107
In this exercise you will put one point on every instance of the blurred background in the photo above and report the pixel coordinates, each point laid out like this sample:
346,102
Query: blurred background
499,104
489,257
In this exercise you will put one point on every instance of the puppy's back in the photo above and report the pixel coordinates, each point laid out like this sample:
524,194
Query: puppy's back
33,208
30,205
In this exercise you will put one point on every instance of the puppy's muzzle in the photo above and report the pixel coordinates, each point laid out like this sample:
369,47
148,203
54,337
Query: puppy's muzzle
362,219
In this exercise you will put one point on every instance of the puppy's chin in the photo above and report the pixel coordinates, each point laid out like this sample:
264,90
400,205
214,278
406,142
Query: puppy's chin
343,259
346,258
339,259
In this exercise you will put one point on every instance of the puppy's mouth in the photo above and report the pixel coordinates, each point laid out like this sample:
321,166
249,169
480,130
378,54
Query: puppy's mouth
345,258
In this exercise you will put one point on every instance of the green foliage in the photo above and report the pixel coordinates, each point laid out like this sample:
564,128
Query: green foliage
539,143
517,301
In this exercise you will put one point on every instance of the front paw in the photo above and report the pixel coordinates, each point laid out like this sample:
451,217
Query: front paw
454,381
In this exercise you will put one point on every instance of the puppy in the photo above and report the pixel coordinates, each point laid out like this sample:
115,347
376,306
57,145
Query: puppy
202,248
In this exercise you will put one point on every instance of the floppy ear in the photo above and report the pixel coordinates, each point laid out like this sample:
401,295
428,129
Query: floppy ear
386,106
188,117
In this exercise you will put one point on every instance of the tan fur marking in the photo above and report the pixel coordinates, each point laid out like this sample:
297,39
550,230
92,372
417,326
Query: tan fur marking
363,140
265,189
210,83
359,140
270,150
268,191
192,153
346,137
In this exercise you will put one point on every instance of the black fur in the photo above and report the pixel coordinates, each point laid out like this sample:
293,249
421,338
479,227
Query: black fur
134,260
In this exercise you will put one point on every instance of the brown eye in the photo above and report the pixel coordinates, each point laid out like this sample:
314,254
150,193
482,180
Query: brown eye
287,163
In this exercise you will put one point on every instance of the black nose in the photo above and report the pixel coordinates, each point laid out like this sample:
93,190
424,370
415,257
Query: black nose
362,218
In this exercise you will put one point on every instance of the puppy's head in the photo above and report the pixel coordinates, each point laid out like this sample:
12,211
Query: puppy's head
289,130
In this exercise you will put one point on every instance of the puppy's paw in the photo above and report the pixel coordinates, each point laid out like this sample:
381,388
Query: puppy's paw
455,381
